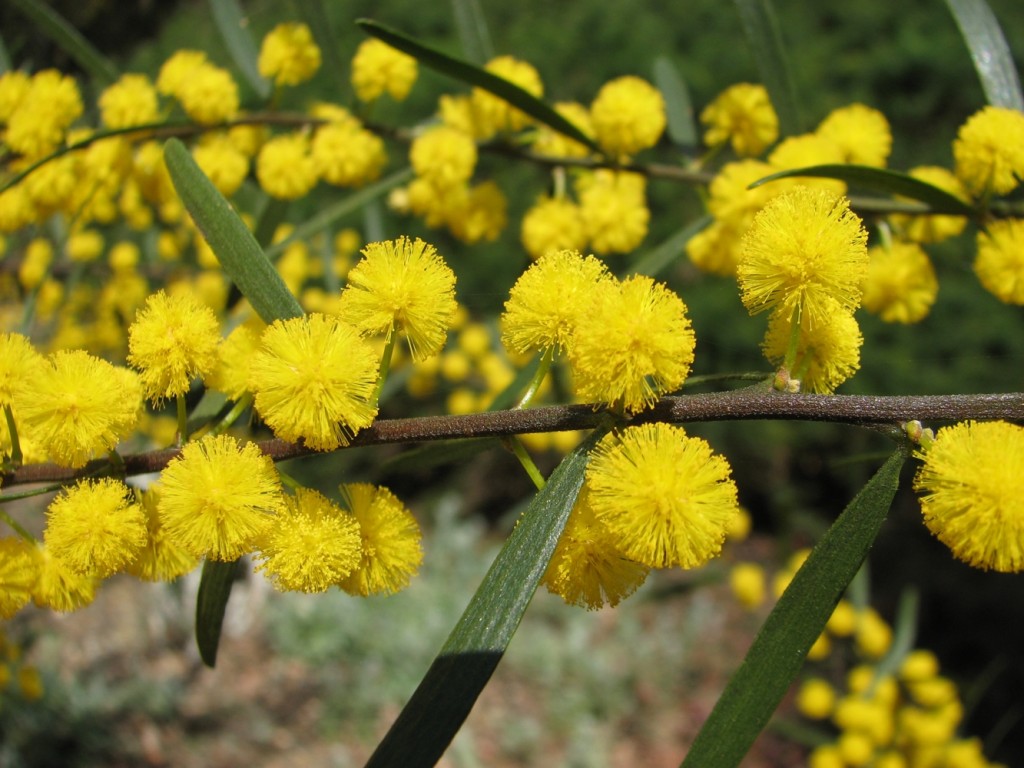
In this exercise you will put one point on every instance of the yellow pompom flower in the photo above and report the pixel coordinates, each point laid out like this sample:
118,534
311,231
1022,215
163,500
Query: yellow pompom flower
403,285
989,151
551,143
162,558
132,100
208,94
377,68
35,265
861,133
173,340
642,347
587,568
14,86
79,405
38,124
347,155
19,571
628,115
900,286
614,210
933,229
285,167
828,352
481,216
665,496
313,544
95,527
177,70
492,114
234,357
743,115
747,582
805,250
218,498
20,366
60,588
390,553
816,698
552,224
288,54
549,301
972,493
999,264
805,150
445,156
224,164
314,379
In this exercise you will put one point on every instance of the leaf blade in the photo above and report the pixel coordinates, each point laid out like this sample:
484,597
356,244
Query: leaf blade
70,40
211,603
233,26
473,33
761,26
682,128
989,51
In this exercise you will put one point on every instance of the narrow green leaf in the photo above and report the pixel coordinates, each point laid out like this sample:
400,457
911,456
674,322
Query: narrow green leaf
682,128
778,652
656,260
475,76
233,26
70,40
211,602
882,180
989,52
761,26
334,63
5,58
441,703
473,33
236,248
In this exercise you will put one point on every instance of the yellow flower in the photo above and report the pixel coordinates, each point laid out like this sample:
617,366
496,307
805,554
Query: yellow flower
14,86
391,553
79,405
587,568
130,101
901,285
218,498
224,164
549,301
482,215
95,527
828,352
405,285
746,580
162,558
665,496
999,264
933,229
20,365
60,588
208,94
348,155
288,54
554,144
492,114
37,125
378,68
628,115
641,348
314,379
816,698
972,493
989,151
613,205
552,224
312,545
444,156
806,150
806,247
285,168
173,340
19,572
35,265
234,357
861,133
177,70
742,115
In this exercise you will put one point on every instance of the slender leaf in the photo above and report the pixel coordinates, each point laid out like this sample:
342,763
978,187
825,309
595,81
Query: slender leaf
656,260
989,52
233,26
761,26
475,76
235,246
778,652
441,703
5,58
70,40
678,105
473,33
882,180
211,602
334,63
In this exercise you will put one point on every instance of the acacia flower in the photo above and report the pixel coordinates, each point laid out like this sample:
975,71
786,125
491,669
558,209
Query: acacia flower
222,162
933,228
219,497
665,496
827,353
391,552
285,167
999,264
314,379
59,587
173,339
587,567
972,492
347,154
234,358
402,284
642,347
312,545
492,114
900,286
445,156
552,224
95,527
628,115
743,115
20,365
549,300
613,205
805,247
132,100
989,151
19,572
162,558
861,133
377,68
747,582
288,54
208,94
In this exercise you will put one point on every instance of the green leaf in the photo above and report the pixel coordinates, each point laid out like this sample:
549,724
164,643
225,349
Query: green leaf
211,602
678,105
989,52
475,76
882,180
334,63
5,58
69,40
444,697
761,26
473,33
779,649
233,26
235,246
659,258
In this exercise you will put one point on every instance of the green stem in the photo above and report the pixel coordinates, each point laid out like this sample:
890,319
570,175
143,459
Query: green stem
385,361
538,378
288,480
16,526
517,447
229,419
12,430
182,419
